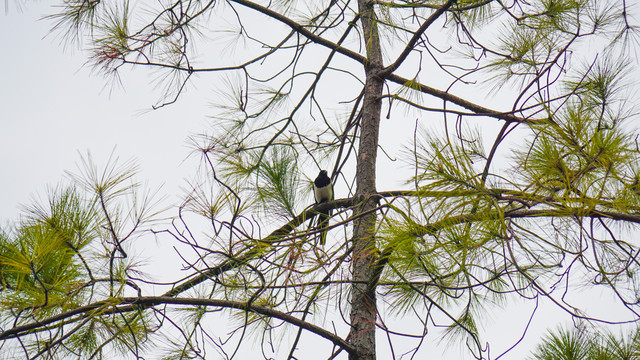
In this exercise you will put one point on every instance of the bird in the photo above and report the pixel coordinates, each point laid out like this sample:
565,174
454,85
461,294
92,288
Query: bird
323,192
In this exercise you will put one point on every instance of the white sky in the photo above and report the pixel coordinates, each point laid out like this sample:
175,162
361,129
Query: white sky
52,108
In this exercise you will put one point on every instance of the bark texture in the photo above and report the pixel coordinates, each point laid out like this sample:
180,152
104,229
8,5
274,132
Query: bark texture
363,299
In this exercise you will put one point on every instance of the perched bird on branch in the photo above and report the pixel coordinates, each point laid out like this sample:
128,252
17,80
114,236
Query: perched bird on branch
323,192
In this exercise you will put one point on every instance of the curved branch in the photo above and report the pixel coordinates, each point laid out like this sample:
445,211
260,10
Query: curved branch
415,38
254,251
527,213
128,304
302,30
263,310
480,110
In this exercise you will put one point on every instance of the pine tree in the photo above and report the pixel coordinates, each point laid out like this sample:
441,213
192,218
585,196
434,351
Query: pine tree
303,86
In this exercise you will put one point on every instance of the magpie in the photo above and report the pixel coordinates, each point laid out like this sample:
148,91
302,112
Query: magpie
323,192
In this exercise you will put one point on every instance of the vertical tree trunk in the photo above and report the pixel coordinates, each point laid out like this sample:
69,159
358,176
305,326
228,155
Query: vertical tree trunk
363,299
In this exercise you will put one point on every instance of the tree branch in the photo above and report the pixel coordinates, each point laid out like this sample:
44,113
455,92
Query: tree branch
414,39
253,251
128,304
480,110
527,213
302,30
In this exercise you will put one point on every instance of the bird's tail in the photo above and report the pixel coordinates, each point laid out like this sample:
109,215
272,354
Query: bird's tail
323,224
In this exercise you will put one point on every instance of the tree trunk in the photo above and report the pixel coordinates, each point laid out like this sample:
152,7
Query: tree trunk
363,299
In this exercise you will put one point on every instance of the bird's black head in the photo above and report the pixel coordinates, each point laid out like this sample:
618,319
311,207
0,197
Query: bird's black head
322,179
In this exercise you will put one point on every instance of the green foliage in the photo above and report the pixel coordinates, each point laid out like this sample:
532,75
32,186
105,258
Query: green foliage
583,150
449,237
468,233
123,332
40,260
271,182
61,256
446,165
574,157
564,345
278,184
527,49
586,343
533,40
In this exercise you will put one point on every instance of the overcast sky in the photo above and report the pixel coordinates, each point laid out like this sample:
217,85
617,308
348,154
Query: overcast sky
53,108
